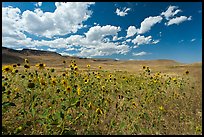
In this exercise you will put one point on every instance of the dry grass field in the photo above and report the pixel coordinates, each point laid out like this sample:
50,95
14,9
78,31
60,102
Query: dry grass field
99,96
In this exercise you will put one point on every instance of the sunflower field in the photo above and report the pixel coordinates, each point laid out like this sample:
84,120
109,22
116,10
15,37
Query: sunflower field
38,100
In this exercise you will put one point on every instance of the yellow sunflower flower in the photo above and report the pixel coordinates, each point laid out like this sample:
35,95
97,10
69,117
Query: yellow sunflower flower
53,81
99,111
86,80
26,66
42,81
187,72
134,104
7,68
161,108
75,68
26,61
69,89
64,83
40,65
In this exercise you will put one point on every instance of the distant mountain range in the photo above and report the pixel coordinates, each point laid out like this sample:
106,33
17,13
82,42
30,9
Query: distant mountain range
17,56
28,52
10,56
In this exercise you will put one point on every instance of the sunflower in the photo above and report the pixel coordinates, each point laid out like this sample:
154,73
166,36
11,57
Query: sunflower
64,83
86,80
26,66
98,77
161,108
40,65
75,68
99,111
7,68
88,66
15,71
72,67
76,73
26,61
99,67
69,89
174,79
53,81
187,72
103,87
64,61
110,76
42,82
144,67
52,70
134,104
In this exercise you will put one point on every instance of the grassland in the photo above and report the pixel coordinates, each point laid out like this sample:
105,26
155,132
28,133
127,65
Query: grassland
101,97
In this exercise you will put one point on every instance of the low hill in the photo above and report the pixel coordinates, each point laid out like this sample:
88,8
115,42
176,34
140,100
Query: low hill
53,59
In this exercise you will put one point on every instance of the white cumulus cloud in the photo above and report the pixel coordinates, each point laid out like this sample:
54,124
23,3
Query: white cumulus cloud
122,12
99,32
93,43
11,25
131,31
170,12
148,23
141,40
60,22
145,26
178,20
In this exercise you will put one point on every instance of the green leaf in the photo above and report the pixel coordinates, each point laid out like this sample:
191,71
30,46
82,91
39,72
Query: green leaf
122,125
33,97
62,115
74,100
32,111
7,104
69,117
55,122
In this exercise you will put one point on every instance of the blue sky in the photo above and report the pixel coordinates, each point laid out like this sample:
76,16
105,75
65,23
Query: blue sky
118,30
